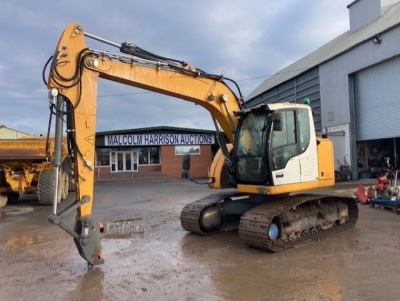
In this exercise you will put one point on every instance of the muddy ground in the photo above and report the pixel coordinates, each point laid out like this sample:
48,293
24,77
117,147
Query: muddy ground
158,260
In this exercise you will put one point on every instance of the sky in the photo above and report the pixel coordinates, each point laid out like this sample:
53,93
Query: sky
245,40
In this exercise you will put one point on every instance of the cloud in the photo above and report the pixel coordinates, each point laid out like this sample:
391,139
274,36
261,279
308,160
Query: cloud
244,40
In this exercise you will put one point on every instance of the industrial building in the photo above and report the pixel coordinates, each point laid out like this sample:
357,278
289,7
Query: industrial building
10,133
352,83
154,152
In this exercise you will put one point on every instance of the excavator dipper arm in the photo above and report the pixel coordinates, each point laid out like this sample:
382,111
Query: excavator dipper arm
73,77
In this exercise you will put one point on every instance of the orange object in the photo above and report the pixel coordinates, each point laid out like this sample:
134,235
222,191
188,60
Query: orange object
363,195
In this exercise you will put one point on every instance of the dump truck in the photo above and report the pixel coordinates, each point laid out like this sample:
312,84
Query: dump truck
25,168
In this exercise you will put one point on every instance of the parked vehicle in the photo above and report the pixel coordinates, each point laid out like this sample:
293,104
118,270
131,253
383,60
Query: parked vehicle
25,168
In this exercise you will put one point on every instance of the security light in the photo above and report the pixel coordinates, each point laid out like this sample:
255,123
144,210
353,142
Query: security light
377,39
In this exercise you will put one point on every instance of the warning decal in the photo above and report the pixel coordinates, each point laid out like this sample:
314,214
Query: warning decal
90,139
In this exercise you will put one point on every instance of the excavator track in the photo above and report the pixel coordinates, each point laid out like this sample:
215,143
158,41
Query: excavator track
191,213
255,224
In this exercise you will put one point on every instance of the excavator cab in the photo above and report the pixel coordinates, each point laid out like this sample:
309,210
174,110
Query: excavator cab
269,140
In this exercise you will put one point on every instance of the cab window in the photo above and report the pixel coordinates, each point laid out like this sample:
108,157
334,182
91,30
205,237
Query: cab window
304,130
284,139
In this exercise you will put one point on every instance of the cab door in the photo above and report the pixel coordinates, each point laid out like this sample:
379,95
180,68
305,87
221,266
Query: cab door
308,147
285,159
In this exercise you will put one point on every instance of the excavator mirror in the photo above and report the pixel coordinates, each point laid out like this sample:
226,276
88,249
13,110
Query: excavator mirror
277,121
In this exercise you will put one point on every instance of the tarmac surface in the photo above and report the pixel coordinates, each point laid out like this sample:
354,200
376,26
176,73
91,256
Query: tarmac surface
148,256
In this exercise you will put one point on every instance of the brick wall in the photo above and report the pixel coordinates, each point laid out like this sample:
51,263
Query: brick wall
171,165
148,172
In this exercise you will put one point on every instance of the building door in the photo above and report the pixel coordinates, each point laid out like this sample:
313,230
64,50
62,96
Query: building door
120,161
377,101
135,160
124,161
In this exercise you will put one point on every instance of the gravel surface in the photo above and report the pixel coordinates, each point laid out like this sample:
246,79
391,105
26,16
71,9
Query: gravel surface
148,256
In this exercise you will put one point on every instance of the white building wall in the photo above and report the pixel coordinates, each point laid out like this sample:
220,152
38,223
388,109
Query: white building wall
9,133
387,4
339,135
337,90
334,75
362,12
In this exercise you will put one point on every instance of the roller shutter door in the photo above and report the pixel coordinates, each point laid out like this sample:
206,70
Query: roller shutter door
377,101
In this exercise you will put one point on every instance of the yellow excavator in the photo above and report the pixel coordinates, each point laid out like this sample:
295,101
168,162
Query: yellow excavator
269,153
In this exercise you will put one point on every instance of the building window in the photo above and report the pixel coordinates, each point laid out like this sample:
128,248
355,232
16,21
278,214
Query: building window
149,155
154,155
102,157
181,150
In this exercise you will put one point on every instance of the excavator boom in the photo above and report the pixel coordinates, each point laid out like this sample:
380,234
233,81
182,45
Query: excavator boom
72,81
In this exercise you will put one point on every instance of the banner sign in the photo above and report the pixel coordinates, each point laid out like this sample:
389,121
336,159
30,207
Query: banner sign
159,139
